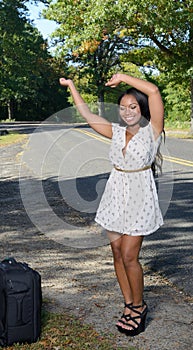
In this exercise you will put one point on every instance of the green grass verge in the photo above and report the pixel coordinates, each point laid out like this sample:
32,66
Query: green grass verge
11,138
65,332
178,129
177,125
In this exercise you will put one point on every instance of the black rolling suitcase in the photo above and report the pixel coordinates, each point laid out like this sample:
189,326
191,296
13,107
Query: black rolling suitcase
20,303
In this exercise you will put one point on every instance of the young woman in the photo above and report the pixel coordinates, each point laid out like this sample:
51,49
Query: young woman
129,207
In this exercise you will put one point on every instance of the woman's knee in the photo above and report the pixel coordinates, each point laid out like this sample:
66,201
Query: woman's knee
116,249
130,250
129,259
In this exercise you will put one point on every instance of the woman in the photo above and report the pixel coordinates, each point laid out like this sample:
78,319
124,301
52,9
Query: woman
129,207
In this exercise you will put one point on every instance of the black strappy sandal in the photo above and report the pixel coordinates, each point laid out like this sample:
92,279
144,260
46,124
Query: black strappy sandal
124,318
136,320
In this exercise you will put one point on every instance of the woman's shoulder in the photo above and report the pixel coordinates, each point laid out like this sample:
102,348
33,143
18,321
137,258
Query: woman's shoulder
117,126
117,130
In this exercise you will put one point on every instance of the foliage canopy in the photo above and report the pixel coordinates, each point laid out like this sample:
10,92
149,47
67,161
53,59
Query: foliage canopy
28,73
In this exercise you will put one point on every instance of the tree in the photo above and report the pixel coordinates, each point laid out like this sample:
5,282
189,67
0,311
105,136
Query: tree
94,47
48,96
16,53
28,72
21,49
156,33
167,29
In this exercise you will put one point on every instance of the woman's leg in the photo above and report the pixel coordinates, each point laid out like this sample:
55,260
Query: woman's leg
129,272
130,249
120,268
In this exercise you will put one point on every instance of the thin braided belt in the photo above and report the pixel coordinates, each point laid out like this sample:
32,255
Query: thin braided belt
133,170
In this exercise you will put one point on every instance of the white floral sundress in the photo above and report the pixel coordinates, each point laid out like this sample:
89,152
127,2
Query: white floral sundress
129,204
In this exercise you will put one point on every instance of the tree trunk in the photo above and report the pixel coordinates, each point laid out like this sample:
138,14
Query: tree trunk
191,113
101,107
10,109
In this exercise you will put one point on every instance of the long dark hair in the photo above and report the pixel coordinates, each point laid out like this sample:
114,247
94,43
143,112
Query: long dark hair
142,100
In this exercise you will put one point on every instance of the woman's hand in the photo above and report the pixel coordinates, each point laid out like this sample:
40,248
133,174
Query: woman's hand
65,82
114,81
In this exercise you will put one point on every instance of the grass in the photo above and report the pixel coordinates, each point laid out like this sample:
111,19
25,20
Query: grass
178,129
177,125
11,138
62,331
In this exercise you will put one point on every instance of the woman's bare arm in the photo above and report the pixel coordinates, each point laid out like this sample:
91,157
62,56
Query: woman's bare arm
101,125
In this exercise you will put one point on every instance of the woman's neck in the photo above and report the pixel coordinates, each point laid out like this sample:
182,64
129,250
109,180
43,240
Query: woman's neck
133,129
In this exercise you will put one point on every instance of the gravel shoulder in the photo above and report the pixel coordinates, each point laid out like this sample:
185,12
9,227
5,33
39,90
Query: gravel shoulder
82,281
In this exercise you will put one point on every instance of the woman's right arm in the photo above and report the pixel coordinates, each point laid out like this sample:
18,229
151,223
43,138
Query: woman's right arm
99,124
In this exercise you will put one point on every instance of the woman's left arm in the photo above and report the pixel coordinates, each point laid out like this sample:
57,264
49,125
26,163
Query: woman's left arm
156,106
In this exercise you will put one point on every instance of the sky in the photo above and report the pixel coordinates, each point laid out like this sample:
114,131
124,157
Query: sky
45,27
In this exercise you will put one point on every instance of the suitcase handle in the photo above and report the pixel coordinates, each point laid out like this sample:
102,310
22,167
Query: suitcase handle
12,263
9,261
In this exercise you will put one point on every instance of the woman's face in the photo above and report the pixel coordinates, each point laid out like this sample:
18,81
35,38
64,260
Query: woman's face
129,109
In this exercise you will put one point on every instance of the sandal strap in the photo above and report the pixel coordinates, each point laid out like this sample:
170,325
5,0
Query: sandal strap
140,313
127,316
137,312
138,306
129,306
128,324
134,319
124,319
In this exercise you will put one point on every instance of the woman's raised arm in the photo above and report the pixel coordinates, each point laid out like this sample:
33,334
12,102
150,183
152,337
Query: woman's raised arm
100,124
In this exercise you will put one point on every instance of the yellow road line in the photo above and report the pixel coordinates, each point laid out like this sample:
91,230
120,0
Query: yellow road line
97,137
167,158
178,161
